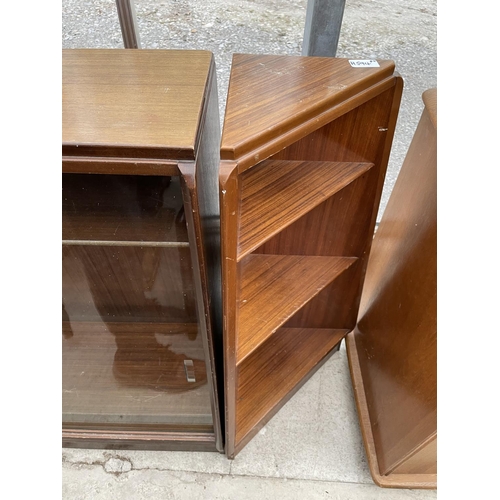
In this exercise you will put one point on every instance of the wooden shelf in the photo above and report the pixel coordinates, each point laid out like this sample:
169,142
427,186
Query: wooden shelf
121,210
274,287
275,193
273,370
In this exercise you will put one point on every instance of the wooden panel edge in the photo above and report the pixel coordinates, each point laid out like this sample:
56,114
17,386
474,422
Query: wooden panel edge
195,235
207,147
89,165
139,440
430,101
228,195
410,481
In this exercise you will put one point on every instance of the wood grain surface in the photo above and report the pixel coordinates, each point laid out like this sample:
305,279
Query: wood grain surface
144,104
275,193
302,88
274,287
396,332
274,369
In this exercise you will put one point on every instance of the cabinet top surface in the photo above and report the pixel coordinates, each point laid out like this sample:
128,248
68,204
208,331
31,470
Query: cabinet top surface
272,94
134,99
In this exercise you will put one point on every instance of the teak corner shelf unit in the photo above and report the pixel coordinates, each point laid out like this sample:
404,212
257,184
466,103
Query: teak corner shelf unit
141,261
392,351
304,152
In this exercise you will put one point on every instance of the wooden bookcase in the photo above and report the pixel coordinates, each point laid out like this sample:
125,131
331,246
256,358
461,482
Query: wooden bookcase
141,261
304,151
393,350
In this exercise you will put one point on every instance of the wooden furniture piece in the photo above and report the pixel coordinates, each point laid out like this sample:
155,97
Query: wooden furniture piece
392,351
304,152
141,261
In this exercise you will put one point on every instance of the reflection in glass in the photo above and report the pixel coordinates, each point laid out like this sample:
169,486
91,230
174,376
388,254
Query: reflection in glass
132,350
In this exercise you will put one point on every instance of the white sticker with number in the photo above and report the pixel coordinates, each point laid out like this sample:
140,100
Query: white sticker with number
364,63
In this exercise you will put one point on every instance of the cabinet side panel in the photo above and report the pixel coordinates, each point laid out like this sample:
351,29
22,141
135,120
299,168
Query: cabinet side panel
396,334
229,195
207,192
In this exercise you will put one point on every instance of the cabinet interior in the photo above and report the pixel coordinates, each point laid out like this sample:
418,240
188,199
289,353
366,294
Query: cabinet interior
132,349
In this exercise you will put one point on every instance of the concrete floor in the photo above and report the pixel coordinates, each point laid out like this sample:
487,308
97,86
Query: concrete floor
312,448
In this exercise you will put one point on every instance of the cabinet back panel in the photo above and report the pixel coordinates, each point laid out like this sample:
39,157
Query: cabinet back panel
335,306
359,135
338,227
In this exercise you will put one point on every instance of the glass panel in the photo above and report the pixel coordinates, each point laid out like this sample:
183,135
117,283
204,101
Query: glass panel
132,349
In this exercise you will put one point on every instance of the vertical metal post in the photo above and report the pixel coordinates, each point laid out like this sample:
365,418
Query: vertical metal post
128,24
322,28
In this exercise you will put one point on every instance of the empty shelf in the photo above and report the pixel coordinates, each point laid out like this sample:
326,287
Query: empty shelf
276,193
274,287
271,372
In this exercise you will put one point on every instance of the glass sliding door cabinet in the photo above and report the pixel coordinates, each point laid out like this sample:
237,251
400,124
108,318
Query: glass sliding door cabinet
140,266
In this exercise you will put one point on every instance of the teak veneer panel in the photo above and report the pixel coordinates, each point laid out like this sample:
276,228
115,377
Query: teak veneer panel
273,370
274,287
137,97
276,193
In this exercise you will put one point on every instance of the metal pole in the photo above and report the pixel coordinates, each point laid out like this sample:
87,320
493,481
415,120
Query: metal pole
128,24
322,27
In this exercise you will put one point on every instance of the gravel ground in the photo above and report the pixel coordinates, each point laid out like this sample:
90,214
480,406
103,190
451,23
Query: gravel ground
402,30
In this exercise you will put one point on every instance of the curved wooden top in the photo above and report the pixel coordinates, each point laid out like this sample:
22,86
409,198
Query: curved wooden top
271,94
145,102
430,101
